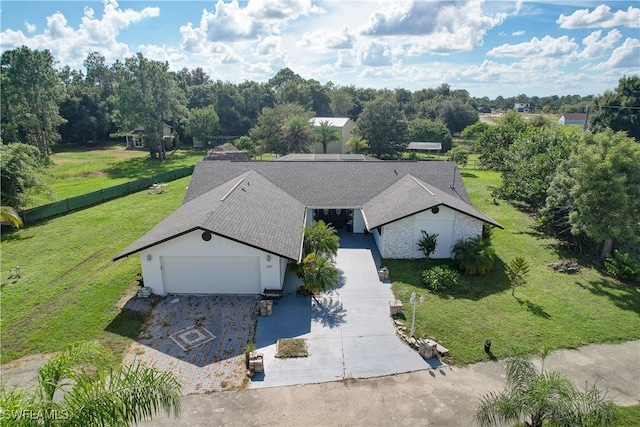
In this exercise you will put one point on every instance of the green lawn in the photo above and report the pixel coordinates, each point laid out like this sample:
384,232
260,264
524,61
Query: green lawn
553,310
69,285
80,170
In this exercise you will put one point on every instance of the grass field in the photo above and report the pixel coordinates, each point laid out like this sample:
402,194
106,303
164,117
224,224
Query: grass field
553,310
80,170
69,289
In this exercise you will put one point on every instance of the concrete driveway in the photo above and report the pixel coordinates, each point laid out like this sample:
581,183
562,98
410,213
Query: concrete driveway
349,330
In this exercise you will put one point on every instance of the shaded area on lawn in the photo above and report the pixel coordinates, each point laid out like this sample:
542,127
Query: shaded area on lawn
625,297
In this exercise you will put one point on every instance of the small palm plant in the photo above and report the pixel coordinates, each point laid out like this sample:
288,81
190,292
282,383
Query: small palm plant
536,397
427,244
88,394
474,256
517,271
320,274
357,144
321,238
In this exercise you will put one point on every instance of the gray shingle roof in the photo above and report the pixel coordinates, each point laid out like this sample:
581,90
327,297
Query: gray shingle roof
408,196
247,208
331,184
263,204
311,157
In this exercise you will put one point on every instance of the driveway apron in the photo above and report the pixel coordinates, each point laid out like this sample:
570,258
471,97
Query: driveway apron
349,331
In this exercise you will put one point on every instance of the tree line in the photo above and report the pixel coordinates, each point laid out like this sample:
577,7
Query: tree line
43,105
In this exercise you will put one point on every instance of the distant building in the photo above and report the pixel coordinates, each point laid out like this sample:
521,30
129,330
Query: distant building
522,107
135,138
572,119
344,125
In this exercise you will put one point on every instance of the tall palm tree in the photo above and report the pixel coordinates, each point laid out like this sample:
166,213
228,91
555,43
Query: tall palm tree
9,215
88,394
322,239
535,397
325,134
357,143
296,132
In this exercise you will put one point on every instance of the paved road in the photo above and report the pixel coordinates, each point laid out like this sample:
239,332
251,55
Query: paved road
442,397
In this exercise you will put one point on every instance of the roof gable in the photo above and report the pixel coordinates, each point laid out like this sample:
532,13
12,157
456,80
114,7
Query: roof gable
410,195
333,121
237,210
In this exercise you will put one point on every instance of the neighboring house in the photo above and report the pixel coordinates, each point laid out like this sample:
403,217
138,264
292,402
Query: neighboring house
522,107
344,125
135,138
241,223
572,119
429,147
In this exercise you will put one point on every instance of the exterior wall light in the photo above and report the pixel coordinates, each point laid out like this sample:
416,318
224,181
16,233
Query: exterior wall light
149,257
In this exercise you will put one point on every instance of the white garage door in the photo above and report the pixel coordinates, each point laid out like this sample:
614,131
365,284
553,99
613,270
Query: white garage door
211,275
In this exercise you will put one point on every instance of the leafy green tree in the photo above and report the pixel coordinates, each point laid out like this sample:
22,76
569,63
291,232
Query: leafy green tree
530,164
321,238
474,130
535,398
517,271
341,101
494,143
325,134
618,110
268,130
356,144
9,215
457,114
474,256
459,154
597,190
383,125
30,98
20,165
92,395
148,95
203,123
246,144
426,130
296,133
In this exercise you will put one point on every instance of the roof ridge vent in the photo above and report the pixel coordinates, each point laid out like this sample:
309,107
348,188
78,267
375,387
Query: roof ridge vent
231,191
422,185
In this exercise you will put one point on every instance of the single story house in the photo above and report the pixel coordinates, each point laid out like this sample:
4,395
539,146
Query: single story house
572,119
241,223
135,137
344,125
522,107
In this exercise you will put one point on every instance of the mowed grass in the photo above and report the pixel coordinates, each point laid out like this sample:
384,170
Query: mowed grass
554,310
80,170
69,285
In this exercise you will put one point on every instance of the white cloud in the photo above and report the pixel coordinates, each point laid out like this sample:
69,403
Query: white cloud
30,27
547,47
70,46
323,40
596,47
346,59
625,56
376,54
518,33
601,17
434,26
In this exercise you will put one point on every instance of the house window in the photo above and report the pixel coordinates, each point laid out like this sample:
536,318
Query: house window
137,143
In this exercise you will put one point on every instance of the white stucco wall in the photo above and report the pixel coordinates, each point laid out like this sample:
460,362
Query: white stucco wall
358,221
400,238
193,245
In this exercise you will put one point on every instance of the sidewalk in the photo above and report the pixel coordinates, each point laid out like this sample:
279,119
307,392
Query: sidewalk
444,397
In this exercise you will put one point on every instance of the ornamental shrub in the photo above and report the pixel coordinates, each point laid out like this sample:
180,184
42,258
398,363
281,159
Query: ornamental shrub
439,278
622,266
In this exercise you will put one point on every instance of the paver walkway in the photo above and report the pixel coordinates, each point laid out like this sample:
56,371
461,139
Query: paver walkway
349,331
216,365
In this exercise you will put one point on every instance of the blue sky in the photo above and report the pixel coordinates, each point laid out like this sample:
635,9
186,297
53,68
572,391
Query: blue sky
489,48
